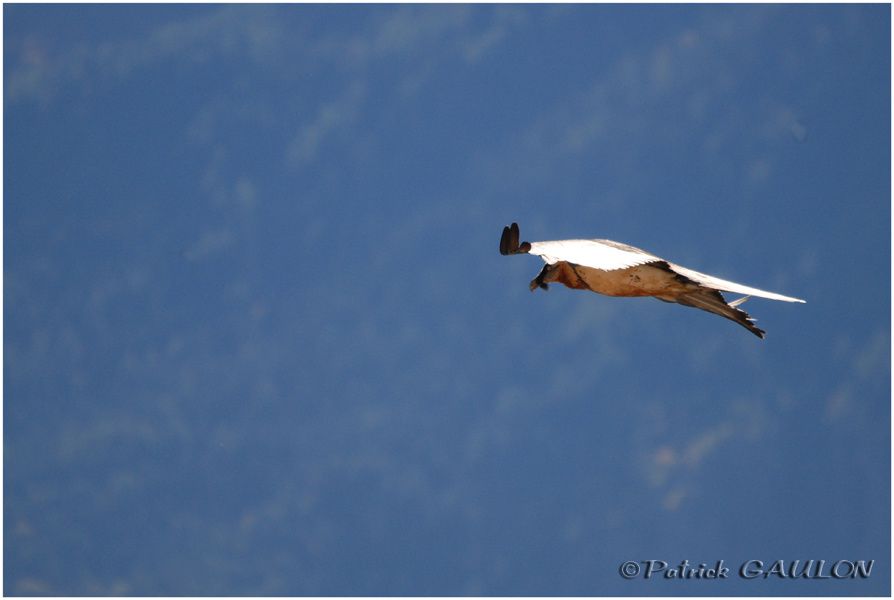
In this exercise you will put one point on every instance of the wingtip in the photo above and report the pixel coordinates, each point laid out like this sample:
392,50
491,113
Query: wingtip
509,241
504,242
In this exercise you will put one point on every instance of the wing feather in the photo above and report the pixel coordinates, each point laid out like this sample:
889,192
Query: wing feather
596,254
729,286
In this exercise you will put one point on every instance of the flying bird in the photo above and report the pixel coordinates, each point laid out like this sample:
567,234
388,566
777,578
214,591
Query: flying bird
616,269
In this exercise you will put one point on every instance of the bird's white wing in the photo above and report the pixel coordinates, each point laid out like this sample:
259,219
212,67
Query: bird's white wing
597,254
729,286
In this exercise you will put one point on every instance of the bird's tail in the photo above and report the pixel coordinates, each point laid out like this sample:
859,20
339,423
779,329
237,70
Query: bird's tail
509,242
712,301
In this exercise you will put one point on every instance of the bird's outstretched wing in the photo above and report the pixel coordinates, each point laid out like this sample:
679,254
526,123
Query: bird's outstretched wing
605,255
728,286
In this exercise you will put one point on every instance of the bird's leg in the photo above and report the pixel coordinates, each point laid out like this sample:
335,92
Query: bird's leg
538,282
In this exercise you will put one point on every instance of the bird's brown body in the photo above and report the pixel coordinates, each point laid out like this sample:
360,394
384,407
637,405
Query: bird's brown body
641,280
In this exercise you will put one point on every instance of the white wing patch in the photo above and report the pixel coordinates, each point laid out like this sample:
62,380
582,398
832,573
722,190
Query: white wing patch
597,254
729,286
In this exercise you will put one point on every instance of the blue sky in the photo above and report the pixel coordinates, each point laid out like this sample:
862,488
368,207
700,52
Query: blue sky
259,338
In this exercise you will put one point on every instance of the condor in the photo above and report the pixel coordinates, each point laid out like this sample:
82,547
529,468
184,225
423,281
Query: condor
616,269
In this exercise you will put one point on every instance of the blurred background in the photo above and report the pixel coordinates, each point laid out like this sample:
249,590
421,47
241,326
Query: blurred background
259,338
